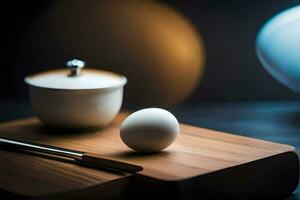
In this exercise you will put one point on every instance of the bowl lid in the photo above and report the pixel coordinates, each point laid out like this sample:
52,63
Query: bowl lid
76,78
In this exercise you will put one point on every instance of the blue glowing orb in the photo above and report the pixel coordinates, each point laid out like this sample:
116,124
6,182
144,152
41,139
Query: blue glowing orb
278,47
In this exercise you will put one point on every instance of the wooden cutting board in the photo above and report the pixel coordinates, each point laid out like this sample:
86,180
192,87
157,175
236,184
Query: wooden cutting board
201,163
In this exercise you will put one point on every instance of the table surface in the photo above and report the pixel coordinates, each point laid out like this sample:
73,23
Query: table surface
277,121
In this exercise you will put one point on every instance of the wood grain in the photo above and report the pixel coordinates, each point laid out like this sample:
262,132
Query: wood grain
200,163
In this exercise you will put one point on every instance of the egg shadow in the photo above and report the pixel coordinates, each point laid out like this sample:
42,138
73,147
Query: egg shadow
135,154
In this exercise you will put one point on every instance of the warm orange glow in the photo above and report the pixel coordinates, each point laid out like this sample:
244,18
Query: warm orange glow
153,45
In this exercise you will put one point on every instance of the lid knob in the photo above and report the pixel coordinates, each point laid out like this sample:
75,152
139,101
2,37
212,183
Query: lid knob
75,66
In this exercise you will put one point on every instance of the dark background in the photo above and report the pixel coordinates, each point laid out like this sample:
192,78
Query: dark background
233,72
228,28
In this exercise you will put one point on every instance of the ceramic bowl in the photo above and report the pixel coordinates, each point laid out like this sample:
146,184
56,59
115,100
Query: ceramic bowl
76,98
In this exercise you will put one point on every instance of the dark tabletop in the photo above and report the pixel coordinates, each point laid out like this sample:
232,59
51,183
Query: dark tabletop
277,121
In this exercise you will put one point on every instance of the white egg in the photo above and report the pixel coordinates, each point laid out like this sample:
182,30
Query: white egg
149,130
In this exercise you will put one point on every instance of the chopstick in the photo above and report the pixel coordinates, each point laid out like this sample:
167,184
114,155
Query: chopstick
81,158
